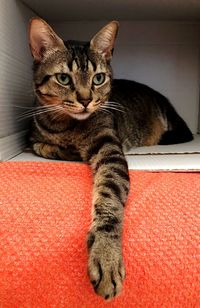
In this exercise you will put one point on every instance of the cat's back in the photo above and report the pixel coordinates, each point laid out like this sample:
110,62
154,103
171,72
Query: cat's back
138,100
130,90
145,115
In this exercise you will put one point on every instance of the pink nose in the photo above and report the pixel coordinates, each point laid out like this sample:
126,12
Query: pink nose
85,102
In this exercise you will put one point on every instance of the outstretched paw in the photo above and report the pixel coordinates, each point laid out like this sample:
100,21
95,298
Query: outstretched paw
105,268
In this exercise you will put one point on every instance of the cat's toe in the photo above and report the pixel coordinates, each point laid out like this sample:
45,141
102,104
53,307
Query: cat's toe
106,276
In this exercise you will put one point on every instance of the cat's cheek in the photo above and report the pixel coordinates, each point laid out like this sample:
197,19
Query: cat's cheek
46,99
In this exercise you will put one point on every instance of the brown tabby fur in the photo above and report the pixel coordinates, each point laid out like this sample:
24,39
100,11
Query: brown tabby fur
76,121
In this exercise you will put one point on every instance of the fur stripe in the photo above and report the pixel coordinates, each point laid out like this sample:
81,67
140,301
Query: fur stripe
99,143
105,194
113,187
90,240
44,80
109,225
103,211
126,187
124,175
111,160
95,130
111,151
106,228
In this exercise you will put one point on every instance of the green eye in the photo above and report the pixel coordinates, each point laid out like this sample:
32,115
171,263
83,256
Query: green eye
64,79
99,79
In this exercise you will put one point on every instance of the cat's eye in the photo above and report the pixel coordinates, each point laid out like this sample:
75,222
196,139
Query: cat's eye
99,79
63,79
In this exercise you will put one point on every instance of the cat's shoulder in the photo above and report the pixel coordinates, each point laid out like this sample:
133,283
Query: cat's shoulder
130,85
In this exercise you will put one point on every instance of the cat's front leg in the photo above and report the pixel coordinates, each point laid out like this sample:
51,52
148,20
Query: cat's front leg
105,267
52,151
111,186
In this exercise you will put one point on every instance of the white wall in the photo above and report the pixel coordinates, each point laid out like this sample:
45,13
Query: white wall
163,55
15,65
15,75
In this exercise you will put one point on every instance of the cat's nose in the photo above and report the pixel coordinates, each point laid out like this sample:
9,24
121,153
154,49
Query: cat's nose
85,102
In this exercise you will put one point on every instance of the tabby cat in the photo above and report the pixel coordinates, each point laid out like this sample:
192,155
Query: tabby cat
83,114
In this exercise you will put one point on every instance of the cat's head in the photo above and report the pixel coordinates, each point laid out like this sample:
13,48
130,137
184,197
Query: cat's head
75,76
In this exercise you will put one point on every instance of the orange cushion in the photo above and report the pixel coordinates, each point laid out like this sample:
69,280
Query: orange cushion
45,212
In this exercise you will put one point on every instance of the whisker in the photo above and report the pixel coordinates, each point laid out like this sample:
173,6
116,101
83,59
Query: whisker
16,106
30,113
114,104
38,108
114,108
105,110
23,107
38,112
58,115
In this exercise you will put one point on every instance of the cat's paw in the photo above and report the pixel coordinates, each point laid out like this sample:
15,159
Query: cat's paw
105,268
45,150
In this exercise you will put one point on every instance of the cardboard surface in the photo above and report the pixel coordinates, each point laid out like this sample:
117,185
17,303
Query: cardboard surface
176,162
187,147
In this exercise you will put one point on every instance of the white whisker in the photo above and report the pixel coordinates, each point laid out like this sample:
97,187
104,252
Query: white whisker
23,107
105,110
17,106
59,115
38,108
38,112
113,108
114,104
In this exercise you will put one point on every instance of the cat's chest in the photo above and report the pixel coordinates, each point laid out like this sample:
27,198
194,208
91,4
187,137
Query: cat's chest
63,138
78,134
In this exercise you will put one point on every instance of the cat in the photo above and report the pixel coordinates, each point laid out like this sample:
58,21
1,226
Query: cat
83,114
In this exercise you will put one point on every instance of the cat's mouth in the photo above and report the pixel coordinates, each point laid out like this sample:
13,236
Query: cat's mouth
80,115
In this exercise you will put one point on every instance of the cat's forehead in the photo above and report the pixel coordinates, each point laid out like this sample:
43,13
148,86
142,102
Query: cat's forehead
81,58
77,59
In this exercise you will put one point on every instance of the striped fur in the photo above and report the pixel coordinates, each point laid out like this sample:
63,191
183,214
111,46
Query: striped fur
73,120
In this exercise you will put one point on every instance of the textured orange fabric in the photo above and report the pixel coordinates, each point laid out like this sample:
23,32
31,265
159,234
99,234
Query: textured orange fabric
45,213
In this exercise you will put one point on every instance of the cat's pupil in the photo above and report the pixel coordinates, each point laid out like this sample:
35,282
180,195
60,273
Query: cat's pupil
63,77
98,77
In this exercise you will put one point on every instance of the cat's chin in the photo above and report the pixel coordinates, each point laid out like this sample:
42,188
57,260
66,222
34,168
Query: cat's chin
80,116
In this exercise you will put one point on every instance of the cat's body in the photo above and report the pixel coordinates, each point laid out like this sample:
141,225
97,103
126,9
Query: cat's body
140,116
83,114
149,118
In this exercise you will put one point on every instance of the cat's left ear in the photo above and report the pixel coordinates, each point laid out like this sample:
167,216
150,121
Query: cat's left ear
103,41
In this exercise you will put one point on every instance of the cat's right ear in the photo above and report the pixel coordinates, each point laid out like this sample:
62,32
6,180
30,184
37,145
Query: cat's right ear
42,38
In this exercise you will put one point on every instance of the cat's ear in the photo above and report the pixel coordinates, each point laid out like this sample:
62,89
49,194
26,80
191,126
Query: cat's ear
103,41
42,38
